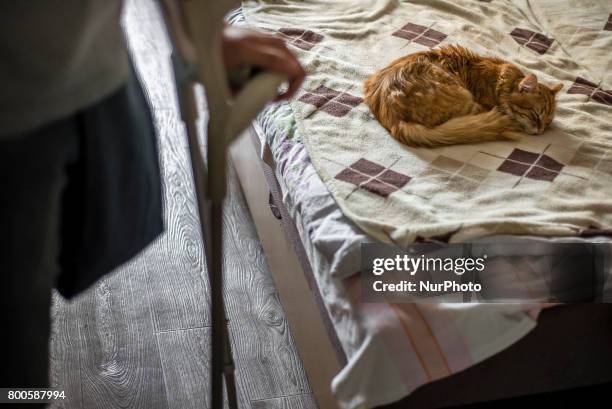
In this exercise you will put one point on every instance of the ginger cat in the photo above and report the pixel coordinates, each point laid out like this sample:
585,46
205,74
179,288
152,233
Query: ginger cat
451,95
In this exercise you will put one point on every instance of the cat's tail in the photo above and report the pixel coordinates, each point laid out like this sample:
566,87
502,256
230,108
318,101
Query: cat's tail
487,126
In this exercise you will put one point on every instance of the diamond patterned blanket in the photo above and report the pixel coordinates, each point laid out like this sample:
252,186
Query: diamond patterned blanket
555,184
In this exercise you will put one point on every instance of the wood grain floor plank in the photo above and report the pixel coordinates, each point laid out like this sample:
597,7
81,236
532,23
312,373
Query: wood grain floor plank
136,10
186,366
65,353
176,277
267,360
186,363
304,401
120,366
150,49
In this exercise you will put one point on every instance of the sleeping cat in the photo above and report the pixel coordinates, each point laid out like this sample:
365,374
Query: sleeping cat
451,95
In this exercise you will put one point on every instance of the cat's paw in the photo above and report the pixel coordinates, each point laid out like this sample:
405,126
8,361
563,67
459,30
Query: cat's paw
513,135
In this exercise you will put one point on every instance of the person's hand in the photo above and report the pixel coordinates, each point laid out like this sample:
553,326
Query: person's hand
242,48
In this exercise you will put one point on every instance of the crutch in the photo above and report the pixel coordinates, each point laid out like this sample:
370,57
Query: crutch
195,27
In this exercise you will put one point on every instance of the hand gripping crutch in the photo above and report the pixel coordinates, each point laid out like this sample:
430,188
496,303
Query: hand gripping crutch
196,28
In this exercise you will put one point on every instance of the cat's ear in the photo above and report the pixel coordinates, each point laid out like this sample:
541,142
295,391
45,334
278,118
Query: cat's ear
556,88
528,84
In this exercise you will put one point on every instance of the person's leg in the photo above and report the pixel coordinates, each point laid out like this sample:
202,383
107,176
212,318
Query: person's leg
78,198
32,180
119,194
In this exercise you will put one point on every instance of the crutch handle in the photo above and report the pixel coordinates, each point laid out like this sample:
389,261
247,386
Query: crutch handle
251,99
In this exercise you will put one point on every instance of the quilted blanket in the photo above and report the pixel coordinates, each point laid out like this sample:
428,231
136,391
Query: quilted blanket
554,184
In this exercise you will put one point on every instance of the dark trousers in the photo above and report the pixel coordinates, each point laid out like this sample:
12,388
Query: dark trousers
78,197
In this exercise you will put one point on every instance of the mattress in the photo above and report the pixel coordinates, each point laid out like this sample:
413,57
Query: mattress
390,349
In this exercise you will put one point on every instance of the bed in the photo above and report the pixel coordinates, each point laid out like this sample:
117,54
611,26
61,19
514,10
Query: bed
361,355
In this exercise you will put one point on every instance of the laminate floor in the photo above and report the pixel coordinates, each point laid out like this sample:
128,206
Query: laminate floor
139,338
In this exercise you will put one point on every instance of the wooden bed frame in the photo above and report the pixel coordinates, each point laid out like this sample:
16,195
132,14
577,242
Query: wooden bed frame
570,348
